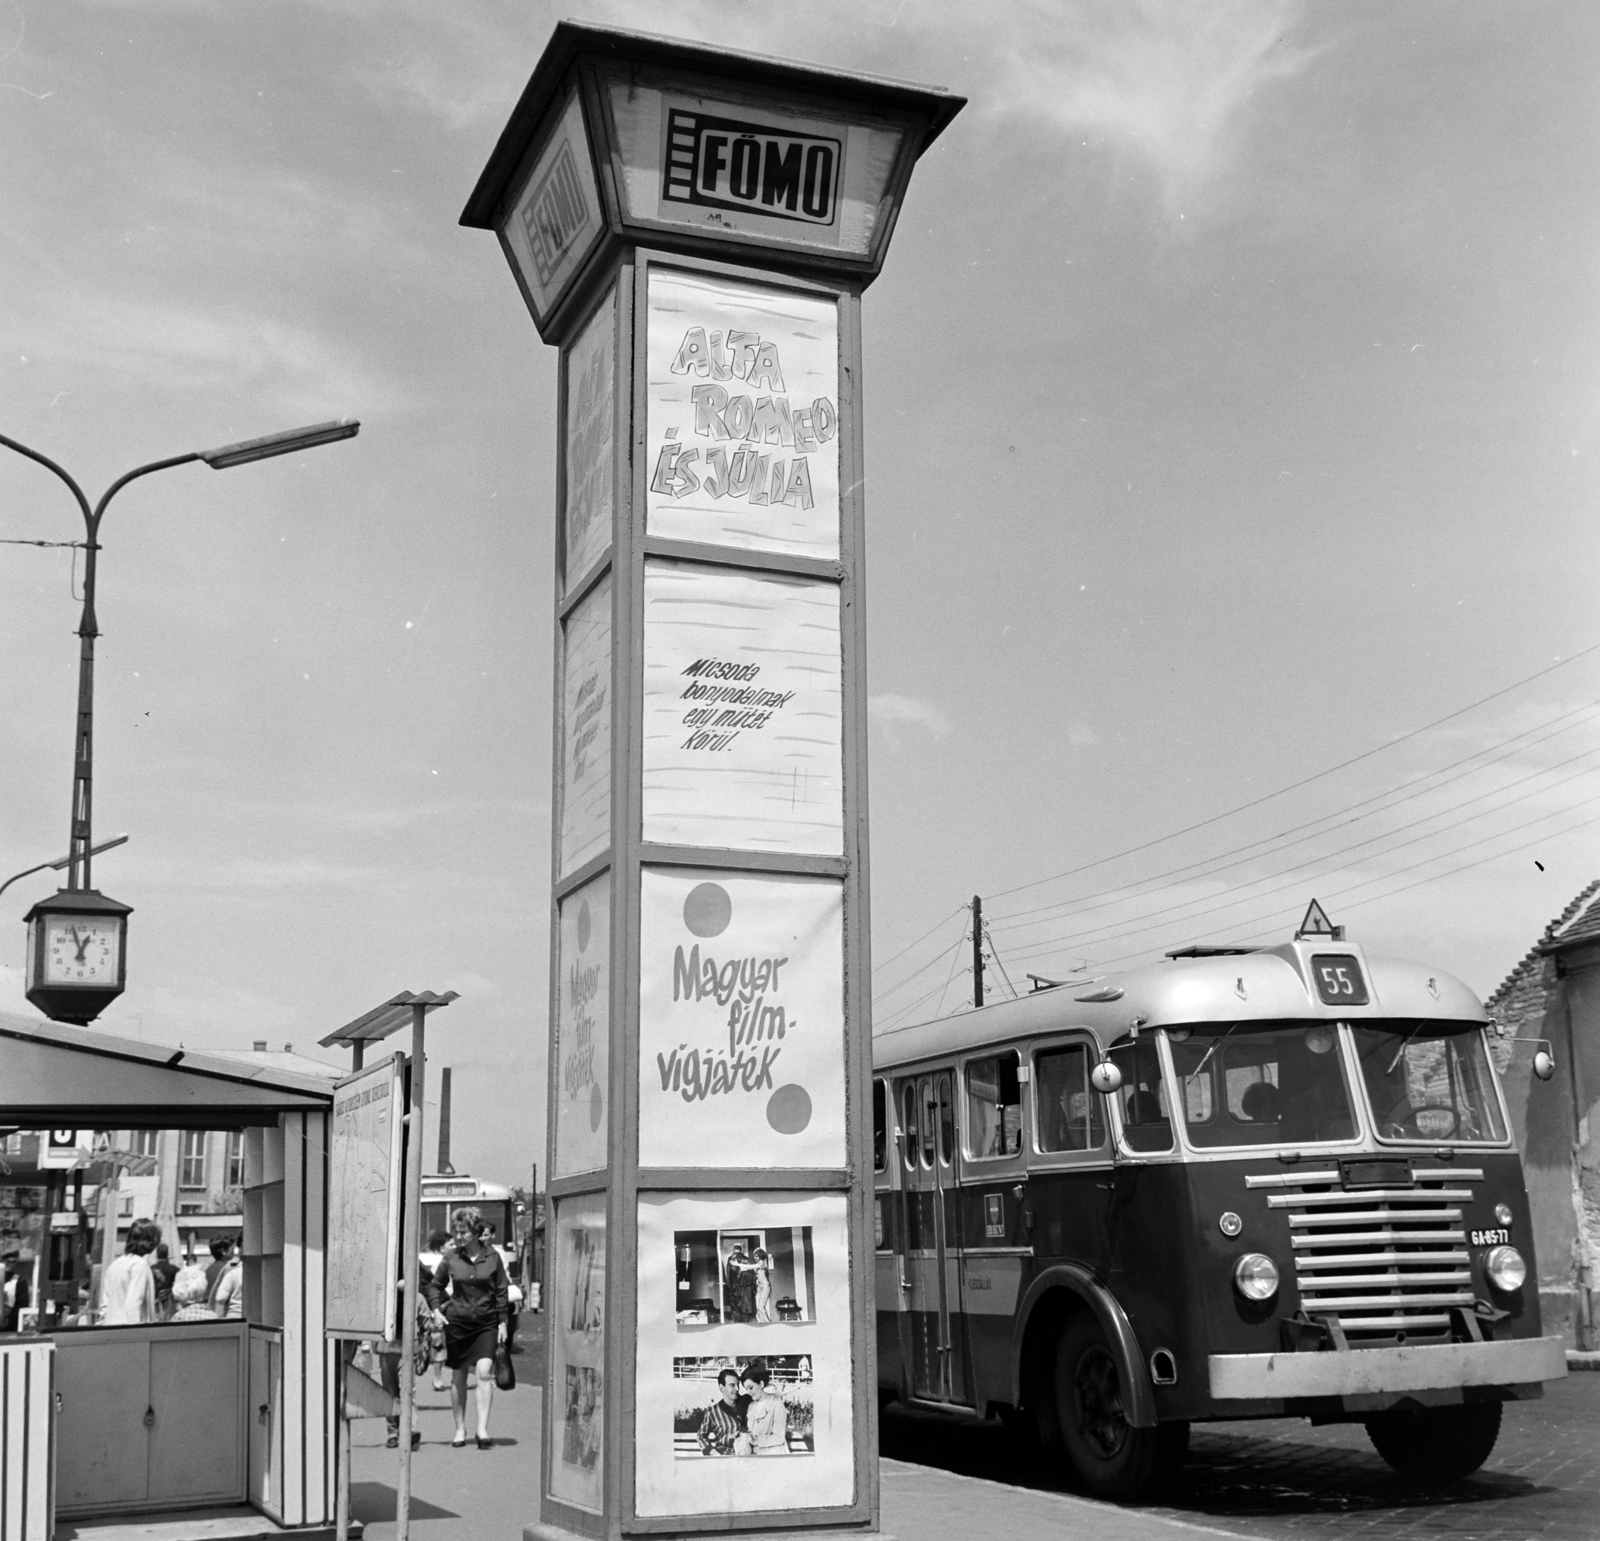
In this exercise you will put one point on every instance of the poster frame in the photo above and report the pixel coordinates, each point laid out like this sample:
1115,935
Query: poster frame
394,1065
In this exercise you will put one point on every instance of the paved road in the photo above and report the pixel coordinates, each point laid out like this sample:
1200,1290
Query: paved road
1284,1479
1273,1481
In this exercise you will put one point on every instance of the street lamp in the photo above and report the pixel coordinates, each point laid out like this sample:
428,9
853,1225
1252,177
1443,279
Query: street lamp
76,940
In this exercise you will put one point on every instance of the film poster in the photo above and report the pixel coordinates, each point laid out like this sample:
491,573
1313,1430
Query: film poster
589,467
743,435
585,781
577,1337
743,710
743,1383
583,1027
741,1019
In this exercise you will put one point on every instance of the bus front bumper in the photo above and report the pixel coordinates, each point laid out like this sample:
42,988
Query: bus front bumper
1376,1371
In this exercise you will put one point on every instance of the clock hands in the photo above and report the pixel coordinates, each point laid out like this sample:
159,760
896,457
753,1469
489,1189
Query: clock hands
81,942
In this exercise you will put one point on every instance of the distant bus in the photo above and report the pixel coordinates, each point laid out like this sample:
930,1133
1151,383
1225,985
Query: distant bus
1244,1183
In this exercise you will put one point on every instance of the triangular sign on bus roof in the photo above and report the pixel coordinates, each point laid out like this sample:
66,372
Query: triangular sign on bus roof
1317,923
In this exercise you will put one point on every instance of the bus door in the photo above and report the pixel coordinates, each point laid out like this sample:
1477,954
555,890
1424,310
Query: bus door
931,1261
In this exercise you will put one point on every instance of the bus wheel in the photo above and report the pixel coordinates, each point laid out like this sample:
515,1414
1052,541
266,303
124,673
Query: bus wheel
1437,1444
1111,1458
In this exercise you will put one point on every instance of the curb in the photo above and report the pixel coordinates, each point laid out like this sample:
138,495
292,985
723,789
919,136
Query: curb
1580,1359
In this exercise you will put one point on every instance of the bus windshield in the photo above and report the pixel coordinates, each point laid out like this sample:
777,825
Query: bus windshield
1429,1081
1278,1084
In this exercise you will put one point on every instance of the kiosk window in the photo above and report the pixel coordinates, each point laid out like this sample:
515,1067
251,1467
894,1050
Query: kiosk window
1070,1112
1146,1119
994,1106
880,1126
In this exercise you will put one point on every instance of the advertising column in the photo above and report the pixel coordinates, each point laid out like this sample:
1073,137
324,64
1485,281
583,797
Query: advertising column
694,229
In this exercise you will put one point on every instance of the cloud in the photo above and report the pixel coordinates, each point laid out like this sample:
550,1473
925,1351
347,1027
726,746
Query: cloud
1170,82
891,713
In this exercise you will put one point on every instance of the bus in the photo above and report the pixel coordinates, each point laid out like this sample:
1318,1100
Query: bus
442,1196
1242,1183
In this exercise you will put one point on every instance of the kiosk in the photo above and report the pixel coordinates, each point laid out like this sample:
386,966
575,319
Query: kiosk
693,228
133,1419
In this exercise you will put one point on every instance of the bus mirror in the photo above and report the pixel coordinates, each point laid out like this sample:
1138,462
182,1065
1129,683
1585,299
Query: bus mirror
1105,1078
1543,1065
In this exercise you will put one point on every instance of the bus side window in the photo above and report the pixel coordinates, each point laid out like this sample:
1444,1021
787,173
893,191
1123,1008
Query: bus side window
880,1126
908,1124
994,1106
1146,1121
930,1116
947,1120
1069,1111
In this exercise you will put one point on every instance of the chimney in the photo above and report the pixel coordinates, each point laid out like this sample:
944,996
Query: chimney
259,1046
445,1169
288,1048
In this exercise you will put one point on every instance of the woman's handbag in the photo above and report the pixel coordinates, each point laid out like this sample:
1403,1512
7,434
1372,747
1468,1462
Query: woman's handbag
505,1377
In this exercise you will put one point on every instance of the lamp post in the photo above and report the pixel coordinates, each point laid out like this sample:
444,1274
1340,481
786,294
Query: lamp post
76,964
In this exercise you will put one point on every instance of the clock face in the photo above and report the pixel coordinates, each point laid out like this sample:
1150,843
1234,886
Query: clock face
81,949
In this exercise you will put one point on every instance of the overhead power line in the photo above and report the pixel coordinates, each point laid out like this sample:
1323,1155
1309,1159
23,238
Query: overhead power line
1304,781
1509,746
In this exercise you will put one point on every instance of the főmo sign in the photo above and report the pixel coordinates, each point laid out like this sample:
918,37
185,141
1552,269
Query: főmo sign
728,163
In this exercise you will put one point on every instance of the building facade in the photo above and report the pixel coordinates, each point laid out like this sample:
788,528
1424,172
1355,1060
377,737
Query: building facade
1552,1000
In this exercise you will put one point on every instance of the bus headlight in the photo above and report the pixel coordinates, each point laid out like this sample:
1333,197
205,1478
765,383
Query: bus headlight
1506,1269
1255,1276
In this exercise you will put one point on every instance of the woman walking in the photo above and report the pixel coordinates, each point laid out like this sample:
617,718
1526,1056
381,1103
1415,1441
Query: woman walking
473,1316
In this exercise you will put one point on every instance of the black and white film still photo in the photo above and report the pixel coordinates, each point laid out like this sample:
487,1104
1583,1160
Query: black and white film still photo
753,1276
725,1406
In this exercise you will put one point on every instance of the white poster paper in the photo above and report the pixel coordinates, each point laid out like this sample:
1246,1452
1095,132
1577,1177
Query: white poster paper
583,1026
589,467
741,1019
585,783
574,1459
363,1260
743,710
716,1402
743,438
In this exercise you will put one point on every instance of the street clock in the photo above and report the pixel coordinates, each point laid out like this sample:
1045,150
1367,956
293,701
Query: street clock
77,954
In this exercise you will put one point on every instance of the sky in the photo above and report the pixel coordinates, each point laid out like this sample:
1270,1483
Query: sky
1231,397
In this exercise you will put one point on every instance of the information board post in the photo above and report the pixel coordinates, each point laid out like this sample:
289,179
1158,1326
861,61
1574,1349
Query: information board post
694,229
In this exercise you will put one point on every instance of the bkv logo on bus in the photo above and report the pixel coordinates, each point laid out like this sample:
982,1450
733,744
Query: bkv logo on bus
727,163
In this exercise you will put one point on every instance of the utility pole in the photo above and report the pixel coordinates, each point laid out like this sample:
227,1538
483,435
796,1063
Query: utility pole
977,950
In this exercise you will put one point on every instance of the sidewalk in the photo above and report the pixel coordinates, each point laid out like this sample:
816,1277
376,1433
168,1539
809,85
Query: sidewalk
473,1495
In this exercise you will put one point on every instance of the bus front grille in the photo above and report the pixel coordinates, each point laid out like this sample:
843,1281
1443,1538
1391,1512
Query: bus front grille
1381,1263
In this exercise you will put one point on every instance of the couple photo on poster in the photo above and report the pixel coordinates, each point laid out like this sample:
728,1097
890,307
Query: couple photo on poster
580,1443
760,1407
746,1276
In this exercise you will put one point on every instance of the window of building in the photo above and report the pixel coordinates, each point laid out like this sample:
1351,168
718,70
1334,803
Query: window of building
192,1159
994,1106
189,1209
126,1206
236,1159
143,1141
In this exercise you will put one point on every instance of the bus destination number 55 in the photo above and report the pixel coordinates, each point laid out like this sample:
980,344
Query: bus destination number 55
1339,980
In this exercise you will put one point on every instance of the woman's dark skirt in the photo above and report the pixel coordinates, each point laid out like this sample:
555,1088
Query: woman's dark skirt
465,1343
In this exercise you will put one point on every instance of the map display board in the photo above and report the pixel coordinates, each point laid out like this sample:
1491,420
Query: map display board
364,1194
743,438
581,1057
743,710
749,1292
741,1019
